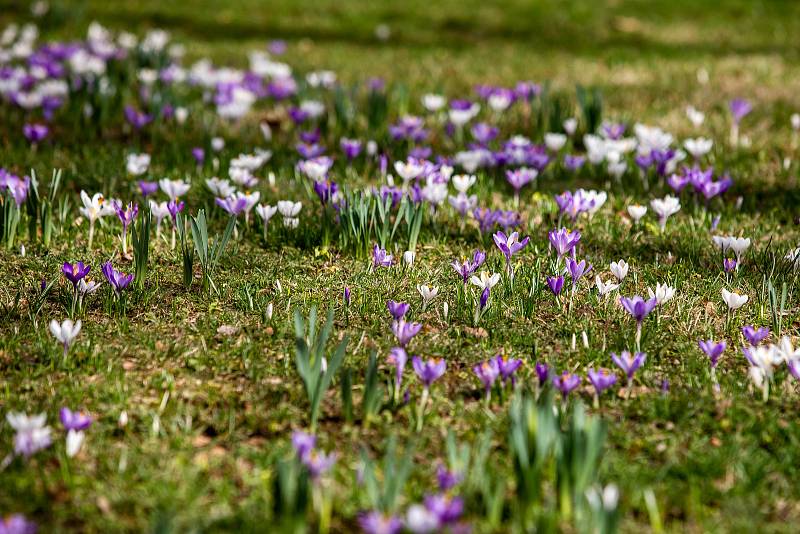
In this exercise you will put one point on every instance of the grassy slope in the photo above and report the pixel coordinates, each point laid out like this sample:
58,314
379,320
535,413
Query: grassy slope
714,464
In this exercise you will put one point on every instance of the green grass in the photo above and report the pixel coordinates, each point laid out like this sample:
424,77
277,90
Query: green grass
210,409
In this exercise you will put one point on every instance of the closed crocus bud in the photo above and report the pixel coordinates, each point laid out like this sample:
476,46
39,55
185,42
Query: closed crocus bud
268,312
278,287
446,310
347,296
22,250
123,419
408,257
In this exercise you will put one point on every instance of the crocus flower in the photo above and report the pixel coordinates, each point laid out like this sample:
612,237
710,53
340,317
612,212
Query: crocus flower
446,478
147,188
428,371
638,307
485,280
17,524
713,350
74,420
508,367
350,147
619,269
446,508
566,382
117,279
636,212
734,300
319,463
380,258
602,379
375,522
740,108
303,443
664,208
729,265
563,241
94,208
35,133
65,332
542,372
398,310
555,283
405,331
487,372
577,270
199,155
755,336
347,296
509,245
467,268
628,362
32,433
75,272
427,293
662,294
126,216
398,357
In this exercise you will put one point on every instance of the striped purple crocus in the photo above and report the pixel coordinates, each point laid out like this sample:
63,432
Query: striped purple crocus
117,279
75,272
487,372
398,310
629,362
713,350
566,382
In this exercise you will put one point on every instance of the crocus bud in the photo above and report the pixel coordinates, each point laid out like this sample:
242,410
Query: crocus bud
22,250
446,310
347,296
279,287
484,297
123,419
268,312
408,257
271,179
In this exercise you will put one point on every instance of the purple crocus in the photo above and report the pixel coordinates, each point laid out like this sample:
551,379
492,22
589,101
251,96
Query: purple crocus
318,463
563,241
446,508
446,478
303,443
638,307
74,420
542,372
397,309
573,163
350,147
199,155
556,284
175,207
398,357
375,522
487,372
380,258
628,362
147,188
602,379
566,382
17,524
136,118
729,265
405,331
519,178
75,272
235,205
509,245
577,270
467,268
755,336
35,133
739,108
508,367
126,216
713,350
347,296
117,279
429,370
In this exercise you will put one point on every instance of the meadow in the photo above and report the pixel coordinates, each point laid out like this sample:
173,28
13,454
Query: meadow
297,266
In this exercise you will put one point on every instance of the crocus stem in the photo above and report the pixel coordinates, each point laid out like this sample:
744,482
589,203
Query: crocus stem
638,336
91,233
596,401
421,408
765,390
172,239
66,351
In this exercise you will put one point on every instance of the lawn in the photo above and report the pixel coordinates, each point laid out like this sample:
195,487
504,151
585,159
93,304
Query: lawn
204,382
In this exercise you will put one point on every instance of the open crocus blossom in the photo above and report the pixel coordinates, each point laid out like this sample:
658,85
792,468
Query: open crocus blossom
374,522
629,362
602,379
467,268
398,358
487,372
577,269
405,331
734,300
397,309
380,258
604,289
508,367
563,241
754,336
65,332
509,245
662,294
566,382
74,420
32,433
556,284
664,208
636,212
93,208
712,350
117,279
428,371
127,215
619,269
427,293
75,272
638,308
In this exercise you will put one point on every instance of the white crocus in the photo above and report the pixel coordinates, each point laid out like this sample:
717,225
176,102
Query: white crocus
433,102
485,280
698,147
65,332
220,188
137,164
173,188
619,269
604,288
665,207
408,257
570,125
737,244
74,441
94,208
289,210
662,294
160,210
555,141
462,182
408,170
427,294
695,117
636,212
734,300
